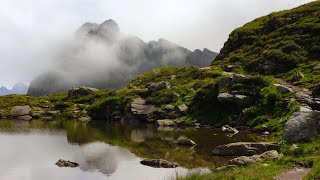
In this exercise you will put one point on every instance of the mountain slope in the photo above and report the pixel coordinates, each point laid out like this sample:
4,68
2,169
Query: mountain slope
279,43
101,56
19,88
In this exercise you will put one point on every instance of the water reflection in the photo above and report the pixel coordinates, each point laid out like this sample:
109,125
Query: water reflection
113,151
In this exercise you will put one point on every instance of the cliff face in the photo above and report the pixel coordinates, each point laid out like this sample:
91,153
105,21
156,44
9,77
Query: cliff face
276,43
102,57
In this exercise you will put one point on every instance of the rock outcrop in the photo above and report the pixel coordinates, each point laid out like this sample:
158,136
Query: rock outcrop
141,109
302,126
75,93
159,163
245,148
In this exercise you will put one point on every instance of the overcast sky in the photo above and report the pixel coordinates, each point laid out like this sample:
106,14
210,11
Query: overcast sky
32,29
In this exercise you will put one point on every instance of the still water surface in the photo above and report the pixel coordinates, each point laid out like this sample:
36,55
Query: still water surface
28,151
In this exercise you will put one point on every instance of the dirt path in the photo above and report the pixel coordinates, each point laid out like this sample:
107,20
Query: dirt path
297,173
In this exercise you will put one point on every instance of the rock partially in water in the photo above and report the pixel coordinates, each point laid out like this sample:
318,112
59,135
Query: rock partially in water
245,160
64,163
302,126
159,163
75,93
166,123
20,111
85,119
245,148
229,129
182,141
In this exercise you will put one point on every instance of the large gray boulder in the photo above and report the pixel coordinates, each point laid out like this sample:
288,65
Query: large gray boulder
20,110
302,126
230,99
245,148
157,86
75,93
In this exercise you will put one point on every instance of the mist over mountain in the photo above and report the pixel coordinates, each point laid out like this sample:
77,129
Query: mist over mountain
101,56
19,88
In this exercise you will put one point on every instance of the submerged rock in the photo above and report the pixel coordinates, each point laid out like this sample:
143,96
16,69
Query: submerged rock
64,163
302,126
159,163
75,93
245,148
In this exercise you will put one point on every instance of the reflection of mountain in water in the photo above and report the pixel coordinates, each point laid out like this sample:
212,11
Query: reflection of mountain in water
101,157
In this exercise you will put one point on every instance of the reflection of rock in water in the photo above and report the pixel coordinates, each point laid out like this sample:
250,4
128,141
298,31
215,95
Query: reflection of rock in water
101,157
140,135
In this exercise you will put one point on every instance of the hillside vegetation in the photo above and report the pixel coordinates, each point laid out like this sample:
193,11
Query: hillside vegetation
280,44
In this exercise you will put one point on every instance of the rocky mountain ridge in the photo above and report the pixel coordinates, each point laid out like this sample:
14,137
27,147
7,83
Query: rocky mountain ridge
102,57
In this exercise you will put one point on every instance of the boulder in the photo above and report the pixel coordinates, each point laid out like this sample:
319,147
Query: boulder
283,89
64,163
246,160
185,142
20,111
159,86
166,123
229,129
183,107
245,148
302,126
140,108
75,93
230,99
159,163
169,107
228,68
297,76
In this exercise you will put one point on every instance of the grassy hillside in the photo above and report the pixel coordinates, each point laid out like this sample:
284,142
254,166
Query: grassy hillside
280,44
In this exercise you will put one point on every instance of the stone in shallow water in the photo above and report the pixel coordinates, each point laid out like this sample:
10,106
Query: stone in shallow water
64,163
185,142
159,163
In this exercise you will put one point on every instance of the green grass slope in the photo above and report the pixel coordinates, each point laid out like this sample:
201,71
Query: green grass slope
280,44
